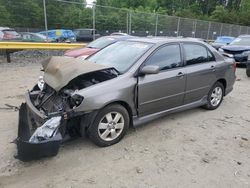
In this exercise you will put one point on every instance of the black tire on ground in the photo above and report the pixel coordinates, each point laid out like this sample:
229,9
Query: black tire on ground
93,130
248,71
209,105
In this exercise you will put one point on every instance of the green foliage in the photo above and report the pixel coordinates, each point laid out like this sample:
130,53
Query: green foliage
29,13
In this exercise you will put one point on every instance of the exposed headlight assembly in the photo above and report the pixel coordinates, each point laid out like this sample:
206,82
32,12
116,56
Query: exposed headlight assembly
77,99
40,83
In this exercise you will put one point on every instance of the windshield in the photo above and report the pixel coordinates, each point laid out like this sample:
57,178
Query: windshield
101,42
121,55
244,41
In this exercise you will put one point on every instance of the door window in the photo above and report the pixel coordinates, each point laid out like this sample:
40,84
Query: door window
166,57
197,54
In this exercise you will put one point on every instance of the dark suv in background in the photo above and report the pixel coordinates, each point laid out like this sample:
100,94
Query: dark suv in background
85,35
239,49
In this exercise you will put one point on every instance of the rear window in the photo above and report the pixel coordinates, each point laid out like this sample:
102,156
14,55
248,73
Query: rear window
101,42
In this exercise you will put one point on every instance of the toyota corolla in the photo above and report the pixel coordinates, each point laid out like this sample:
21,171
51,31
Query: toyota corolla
104,95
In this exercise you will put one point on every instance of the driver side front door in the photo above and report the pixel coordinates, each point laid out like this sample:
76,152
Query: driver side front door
165,90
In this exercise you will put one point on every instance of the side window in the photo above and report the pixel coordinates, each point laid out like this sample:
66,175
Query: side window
197,54
167,57
210,56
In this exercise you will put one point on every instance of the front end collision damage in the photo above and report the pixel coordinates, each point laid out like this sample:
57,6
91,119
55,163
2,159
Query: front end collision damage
49,115
27,149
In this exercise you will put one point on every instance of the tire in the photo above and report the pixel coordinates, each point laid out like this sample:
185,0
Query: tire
109,126
215,96
248,71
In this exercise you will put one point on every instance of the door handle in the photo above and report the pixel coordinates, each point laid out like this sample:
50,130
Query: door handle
180,74
212,68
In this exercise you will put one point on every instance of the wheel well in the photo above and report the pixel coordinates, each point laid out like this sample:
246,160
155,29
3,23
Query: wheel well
224,83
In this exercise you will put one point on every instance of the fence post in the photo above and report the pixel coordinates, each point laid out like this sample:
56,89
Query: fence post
93,17
130,21
127,23
230,31
45,19
178,27
194,25
208,31
239,30
221,27
156,24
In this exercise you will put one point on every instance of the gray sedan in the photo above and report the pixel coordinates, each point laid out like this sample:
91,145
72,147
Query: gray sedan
125,84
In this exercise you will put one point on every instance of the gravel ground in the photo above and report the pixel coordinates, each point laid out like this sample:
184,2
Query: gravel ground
195,148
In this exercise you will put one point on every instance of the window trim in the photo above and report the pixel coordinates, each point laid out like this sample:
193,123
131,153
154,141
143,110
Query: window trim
199,44
162,46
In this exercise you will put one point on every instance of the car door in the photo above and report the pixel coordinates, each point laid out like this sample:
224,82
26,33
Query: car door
200,69
165,90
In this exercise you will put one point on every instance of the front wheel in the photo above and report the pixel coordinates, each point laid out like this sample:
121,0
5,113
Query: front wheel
110,125
215,96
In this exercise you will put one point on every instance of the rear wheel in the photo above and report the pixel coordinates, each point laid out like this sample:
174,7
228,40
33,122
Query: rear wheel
110,125
215,96
248,70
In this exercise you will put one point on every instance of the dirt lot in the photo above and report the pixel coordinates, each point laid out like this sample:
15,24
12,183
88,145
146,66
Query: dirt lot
195,148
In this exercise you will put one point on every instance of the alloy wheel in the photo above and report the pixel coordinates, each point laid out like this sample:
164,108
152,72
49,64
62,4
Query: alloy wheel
111,126
216,96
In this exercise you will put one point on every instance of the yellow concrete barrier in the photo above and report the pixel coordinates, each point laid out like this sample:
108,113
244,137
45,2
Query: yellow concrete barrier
43,46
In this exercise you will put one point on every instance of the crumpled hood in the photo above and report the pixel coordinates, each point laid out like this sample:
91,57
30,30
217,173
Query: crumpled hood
236,48
59,70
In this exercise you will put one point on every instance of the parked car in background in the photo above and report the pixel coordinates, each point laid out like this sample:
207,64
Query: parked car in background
33,37
60,35
7,33
239,49
95,46
85,35
127,83
222,41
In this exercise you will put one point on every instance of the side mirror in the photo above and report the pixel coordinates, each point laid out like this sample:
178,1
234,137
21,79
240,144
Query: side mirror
150,69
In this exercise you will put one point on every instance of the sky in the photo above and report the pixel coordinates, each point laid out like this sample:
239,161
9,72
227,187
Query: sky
90,1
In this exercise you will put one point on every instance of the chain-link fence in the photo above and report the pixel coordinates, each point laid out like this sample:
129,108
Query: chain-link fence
40,15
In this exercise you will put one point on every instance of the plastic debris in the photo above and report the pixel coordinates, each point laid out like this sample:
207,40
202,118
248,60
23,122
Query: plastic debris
47,130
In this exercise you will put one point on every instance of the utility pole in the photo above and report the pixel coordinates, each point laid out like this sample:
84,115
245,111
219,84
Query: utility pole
45,19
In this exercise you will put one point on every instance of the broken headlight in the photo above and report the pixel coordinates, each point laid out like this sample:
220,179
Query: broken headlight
77,99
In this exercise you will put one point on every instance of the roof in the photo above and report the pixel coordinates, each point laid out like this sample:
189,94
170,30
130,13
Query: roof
244,36
119,37
157,40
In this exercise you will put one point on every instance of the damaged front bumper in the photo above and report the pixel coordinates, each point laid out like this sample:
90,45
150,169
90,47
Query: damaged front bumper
27,150
28,147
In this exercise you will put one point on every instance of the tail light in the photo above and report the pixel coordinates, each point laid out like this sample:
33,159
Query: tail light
7,36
